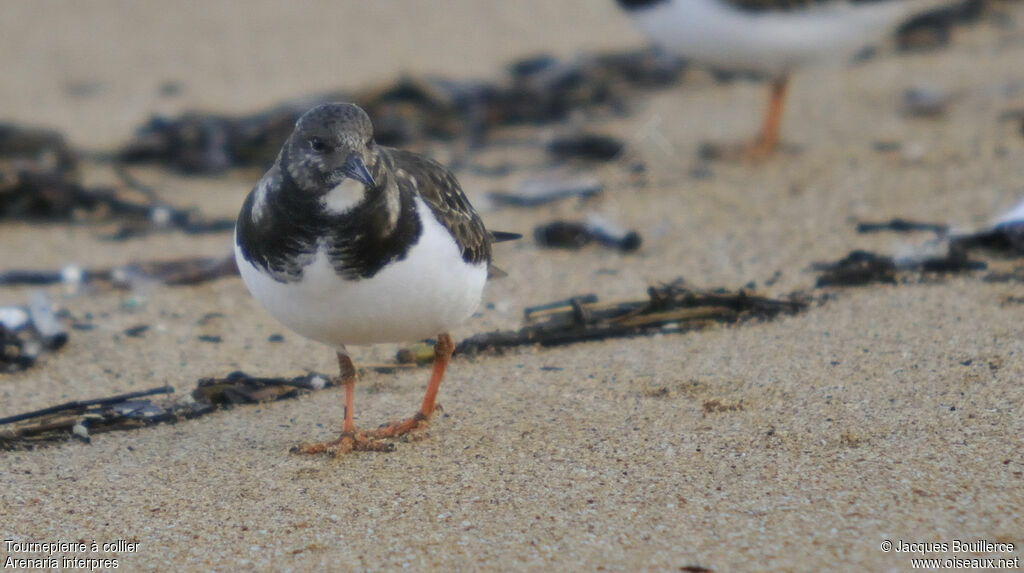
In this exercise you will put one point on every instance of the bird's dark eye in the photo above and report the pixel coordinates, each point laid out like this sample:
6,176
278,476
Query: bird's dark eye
317,144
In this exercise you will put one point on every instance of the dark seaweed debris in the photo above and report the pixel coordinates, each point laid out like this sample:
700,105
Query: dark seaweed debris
671,307
28,332
82,406
39,181
1005,239
81,419
39,177
240,388
36,195
211,143
857,268
588,146
1016,275
411,109
899,225
34,148
860,268
575,235
175,272
166,218
17,351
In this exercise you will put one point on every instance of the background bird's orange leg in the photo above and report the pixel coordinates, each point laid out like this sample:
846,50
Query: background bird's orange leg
443,350
768,140
350,439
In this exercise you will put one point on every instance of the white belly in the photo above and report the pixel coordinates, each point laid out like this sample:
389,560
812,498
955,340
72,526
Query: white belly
712,33
428,292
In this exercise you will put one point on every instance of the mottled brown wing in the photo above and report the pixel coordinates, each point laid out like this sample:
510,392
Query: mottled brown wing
443,194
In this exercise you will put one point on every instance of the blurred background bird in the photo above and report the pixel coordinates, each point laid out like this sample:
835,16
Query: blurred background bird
772,38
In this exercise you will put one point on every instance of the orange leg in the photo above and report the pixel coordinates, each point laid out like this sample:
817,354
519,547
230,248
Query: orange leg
769,138
350,439
767,141
442,355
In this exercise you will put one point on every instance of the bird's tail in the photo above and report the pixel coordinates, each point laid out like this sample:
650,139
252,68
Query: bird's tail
502,236
494,272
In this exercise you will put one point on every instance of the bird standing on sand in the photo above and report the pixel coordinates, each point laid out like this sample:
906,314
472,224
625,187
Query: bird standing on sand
771,37
348,242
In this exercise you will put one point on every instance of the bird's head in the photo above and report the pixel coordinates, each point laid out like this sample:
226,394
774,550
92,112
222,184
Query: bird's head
331,144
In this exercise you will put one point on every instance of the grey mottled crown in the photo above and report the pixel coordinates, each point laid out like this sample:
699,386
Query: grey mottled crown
344,119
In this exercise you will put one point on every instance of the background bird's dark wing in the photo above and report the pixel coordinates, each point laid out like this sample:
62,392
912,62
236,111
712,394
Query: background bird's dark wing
782,5
747,5
442,193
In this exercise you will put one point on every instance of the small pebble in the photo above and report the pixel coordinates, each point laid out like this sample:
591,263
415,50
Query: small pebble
925,101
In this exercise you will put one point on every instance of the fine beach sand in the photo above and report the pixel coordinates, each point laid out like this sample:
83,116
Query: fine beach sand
801,444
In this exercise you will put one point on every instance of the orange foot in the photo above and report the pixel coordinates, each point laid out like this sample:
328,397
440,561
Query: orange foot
347,442
403,427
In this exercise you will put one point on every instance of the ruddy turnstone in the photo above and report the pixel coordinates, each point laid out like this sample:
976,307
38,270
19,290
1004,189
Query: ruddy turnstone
348,242
771,37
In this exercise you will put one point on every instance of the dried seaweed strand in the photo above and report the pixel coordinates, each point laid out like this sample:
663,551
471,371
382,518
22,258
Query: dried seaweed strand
78,419
83,404
669,308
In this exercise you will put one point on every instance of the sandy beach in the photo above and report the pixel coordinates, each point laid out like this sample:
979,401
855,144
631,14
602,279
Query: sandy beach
883,413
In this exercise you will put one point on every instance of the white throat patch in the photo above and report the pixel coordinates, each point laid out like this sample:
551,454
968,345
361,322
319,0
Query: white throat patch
344,196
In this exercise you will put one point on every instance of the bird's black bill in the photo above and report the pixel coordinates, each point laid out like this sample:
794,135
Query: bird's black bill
354,168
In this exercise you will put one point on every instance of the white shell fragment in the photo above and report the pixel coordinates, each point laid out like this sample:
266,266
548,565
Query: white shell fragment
161,215
45,321
318,382
13,318
72,275
81,432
